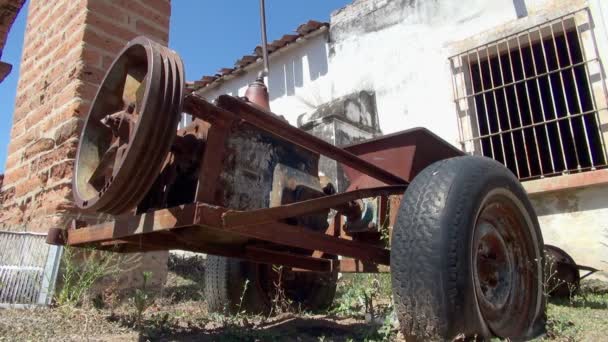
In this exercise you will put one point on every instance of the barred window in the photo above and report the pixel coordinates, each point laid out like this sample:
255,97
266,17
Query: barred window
530,103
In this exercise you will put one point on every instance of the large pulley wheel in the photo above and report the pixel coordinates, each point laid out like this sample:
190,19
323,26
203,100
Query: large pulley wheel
129,128
466,256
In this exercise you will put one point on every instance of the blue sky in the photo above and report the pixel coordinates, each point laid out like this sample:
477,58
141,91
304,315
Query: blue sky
207,34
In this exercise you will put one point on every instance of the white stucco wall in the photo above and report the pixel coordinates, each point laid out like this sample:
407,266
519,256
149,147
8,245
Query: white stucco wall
296,76
400,49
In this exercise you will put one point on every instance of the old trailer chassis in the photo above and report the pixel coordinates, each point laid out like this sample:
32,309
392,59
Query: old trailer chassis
202,225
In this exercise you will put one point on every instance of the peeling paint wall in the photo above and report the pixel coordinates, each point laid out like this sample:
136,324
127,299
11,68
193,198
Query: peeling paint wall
577,222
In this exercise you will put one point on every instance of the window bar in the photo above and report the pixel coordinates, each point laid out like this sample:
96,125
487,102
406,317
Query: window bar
521,122
485,103
561,78
496,109
504,93
578,96
540,98
531,78
475,105
593,101
523,31
523,68
555,113
533,125
456,100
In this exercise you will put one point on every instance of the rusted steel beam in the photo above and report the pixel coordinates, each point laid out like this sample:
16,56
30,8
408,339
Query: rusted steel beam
267,256
272,124
300,237
212,164
129,226
200,108
266,215
201,217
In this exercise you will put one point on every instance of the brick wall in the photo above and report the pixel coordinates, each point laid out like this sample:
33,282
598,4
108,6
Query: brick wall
68,46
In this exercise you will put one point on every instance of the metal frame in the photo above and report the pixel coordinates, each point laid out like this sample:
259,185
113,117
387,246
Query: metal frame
202,225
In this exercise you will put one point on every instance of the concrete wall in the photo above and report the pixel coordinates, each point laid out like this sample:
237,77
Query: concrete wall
577,222
400,50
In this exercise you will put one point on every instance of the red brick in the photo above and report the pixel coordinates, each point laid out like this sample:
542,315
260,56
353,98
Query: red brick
138,9
106,9
111,28
91,74
68,130
18,129
31,184
6,194
161,6
41,145
11,216
62,171
22,141
14,175
99,41
11,161
91,57
65,151
151,31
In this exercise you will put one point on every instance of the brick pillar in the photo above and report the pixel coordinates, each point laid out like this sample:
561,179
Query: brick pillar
67,48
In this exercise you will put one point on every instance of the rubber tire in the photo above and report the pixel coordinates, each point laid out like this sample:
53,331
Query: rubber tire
313,291
225,280
433,286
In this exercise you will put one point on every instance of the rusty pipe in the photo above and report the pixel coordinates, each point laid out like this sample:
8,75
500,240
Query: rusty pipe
265,71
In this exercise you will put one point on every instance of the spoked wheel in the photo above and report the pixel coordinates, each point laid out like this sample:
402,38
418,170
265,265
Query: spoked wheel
130,128
466,256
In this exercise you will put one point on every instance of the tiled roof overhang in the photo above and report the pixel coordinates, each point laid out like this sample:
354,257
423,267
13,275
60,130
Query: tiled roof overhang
303,32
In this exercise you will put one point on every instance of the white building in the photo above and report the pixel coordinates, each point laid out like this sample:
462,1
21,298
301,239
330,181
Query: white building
474,72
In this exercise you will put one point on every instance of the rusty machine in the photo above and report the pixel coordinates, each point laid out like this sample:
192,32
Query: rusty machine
242,185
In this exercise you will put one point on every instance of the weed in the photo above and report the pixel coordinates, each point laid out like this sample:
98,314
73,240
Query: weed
385,229
81,269
280,302
142,299
363,295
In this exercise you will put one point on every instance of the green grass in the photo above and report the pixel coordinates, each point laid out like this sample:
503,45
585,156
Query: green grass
581,318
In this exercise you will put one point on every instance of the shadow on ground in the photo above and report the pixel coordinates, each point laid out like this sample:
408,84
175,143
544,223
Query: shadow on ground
287,327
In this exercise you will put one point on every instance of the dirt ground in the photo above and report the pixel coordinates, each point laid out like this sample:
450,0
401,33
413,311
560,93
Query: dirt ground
179,313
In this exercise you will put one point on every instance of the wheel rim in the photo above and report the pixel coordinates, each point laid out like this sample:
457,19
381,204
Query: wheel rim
132,122
505,266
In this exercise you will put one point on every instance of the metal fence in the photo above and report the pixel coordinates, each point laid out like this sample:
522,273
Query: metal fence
28,269
528,99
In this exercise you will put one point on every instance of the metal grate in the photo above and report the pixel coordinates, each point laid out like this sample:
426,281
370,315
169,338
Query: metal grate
28,269
527,100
